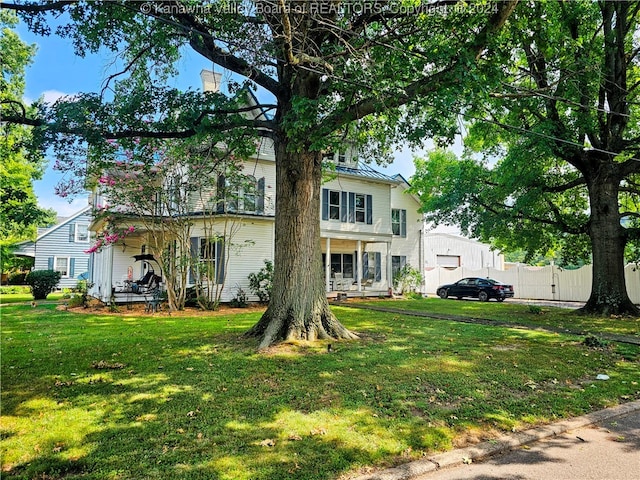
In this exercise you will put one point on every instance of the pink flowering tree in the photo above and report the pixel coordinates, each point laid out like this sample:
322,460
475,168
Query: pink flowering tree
156,189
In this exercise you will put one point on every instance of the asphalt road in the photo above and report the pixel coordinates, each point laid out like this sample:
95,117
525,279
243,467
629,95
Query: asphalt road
606,451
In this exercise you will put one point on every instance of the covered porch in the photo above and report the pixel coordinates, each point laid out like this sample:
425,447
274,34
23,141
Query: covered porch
356,265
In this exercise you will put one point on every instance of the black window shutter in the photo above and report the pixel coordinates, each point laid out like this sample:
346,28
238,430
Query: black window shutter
369,209
344,207
260,199
352,207
378,266
194,243
220,194
325,204
220,261
365,265
403,223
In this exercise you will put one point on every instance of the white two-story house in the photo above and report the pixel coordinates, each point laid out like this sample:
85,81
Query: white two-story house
370,228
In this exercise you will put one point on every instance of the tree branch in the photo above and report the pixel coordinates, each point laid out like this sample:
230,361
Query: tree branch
514,214
36,7
423,86
567,186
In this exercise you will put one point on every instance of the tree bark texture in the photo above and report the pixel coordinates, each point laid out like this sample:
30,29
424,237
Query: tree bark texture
609,294
298,308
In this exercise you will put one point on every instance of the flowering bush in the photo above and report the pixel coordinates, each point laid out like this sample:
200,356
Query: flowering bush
108,236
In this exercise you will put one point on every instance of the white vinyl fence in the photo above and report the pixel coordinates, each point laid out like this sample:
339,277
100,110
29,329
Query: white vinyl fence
542,283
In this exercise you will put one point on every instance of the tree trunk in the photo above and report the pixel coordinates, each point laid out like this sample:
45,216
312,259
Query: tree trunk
608,291
298,308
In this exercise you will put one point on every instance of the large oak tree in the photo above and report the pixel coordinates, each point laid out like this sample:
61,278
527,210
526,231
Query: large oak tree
562,122
365,72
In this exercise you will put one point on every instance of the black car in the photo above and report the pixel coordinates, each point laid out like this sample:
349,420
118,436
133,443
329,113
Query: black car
481,288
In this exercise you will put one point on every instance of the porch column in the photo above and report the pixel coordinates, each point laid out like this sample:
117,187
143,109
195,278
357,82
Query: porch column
359,269
327,265
109,285
389,267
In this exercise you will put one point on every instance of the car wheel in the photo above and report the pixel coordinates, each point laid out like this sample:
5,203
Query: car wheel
443,293
500,299
483,297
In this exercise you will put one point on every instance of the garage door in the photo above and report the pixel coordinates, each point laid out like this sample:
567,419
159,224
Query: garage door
448,260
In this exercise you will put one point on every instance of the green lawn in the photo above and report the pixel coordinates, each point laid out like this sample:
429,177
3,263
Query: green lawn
88,396
7,298
517,313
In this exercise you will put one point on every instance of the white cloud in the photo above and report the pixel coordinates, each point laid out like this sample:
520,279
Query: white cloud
61,205
48,96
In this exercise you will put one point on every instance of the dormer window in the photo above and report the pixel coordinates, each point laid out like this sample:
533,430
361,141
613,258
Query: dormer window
339,158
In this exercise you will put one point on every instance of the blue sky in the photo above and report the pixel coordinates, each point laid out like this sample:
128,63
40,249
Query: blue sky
56,71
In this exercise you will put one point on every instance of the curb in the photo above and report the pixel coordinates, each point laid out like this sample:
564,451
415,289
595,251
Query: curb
502,444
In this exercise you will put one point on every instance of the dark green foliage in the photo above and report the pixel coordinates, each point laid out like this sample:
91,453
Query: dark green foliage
407,279
261,282
240,299
16,278
42,282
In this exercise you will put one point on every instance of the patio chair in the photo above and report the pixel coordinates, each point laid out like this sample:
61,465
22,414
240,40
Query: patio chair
153,301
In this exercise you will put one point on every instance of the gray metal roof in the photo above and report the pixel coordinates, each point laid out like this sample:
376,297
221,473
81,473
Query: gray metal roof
365,171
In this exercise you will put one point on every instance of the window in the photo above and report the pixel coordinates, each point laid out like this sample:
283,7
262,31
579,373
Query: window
360,208
249,201
372,266
399,222
82,233
334,205
342,157
347,207
243,195
342,263
61,264
397,263
207,260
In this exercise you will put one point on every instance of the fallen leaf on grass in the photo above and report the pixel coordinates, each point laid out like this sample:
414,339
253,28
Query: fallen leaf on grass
318,431
467,461
63,384
102,365
269,442
294,437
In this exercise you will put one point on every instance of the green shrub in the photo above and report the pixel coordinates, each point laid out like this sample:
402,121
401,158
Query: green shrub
76,301
42,282
16,278
407,279
535,309
261,282
82,292
240,300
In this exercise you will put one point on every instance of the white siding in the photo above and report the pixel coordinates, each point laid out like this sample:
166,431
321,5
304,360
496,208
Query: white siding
408,246
473,255
381,198
251,245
